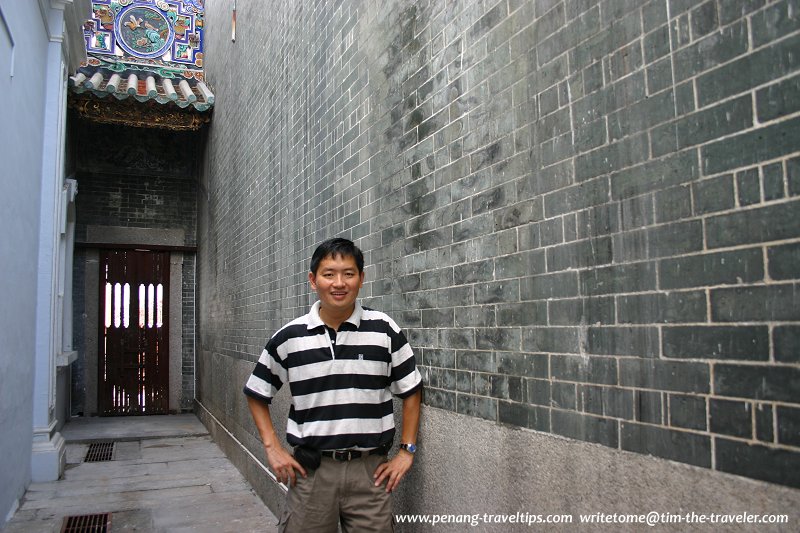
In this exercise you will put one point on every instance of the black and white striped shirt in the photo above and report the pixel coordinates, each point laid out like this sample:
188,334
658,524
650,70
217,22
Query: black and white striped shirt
341,382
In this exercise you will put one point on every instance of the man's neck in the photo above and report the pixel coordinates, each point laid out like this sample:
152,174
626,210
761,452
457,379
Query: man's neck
334,319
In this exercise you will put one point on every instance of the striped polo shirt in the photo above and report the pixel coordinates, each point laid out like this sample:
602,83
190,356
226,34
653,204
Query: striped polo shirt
341,382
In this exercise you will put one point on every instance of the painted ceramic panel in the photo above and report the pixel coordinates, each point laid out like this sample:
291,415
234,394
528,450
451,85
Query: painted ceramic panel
166,35
144,31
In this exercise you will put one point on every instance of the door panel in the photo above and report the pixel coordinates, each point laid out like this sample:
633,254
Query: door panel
134,333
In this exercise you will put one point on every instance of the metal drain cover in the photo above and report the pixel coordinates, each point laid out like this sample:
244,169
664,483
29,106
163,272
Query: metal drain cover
99,451
90,523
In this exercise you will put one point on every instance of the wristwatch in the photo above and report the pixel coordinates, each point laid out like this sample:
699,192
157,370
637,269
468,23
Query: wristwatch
410,447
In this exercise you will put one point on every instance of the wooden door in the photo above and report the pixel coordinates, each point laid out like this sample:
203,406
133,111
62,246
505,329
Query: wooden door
134,333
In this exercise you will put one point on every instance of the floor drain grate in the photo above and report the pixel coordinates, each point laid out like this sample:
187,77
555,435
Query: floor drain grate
99,451
90,523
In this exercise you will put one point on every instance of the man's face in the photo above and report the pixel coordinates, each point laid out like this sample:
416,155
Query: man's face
337,283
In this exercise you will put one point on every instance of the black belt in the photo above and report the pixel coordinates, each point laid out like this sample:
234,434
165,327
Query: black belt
349,455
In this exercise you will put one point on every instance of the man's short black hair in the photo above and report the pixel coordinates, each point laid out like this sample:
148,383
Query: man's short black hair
334,248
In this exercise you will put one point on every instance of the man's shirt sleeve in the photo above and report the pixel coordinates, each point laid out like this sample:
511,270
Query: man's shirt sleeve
405,377
268,376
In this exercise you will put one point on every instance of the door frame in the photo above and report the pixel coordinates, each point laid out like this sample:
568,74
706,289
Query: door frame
101,237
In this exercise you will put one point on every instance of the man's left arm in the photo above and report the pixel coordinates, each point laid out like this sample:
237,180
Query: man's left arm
394,470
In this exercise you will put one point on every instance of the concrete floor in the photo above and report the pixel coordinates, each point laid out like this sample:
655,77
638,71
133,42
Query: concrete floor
166,474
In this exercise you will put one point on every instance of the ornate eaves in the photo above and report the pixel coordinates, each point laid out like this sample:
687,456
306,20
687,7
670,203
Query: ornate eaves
130,112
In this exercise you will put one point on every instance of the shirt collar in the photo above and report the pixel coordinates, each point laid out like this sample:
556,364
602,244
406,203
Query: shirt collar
314,320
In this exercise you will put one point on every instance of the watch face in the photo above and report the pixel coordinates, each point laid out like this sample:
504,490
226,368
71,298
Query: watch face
411,448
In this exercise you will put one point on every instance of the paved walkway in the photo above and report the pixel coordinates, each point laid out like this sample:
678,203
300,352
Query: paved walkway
165,475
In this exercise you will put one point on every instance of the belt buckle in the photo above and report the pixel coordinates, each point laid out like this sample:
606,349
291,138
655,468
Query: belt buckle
342,455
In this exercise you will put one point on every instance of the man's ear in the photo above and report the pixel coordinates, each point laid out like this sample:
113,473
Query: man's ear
362,280
312,279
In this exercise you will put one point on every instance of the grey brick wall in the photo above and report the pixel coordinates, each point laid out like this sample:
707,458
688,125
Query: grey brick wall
137,202
79,366
137,178
188,324
584,213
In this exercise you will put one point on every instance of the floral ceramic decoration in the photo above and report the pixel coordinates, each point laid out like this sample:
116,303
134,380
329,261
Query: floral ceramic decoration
165,35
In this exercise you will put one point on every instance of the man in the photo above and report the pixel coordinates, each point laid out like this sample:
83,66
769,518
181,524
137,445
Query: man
343,363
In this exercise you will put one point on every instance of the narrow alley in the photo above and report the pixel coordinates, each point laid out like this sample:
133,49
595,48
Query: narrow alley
164,473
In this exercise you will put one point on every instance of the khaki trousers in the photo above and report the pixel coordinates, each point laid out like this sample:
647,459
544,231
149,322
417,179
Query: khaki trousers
338,490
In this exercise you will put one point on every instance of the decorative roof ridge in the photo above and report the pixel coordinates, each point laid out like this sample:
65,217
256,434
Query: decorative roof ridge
121,65
143,86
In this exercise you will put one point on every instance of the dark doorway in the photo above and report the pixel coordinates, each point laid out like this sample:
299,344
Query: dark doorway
134,333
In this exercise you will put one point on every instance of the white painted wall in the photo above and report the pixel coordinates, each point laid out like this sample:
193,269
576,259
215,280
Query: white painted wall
23,41
37,48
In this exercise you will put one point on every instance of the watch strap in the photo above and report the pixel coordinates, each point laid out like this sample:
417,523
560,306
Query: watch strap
410,447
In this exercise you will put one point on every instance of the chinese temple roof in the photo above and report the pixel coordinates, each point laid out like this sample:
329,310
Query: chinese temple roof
144,52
